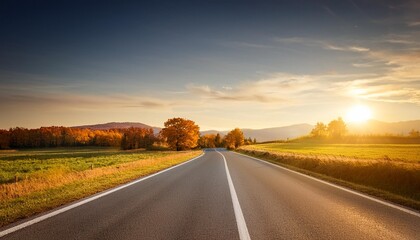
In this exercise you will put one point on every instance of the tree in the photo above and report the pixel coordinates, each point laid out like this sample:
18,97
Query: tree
414,133
59,137
207,141
218,140
134,138
337,128
234,139
320,130
4,139
180,133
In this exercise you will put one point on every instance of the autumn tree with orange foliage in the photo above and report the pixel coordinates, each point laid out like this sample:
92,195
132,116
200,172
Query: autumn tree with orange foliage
134,138
4,139
234,139
58,137
207,141
180,133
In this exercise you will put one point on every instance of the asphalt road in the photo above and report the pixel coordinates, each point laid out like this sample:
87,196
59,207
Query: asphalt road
203,200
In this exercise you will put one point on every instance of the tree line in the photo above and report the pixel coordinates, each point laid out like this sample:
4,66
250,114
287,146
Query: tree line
335,129
178,134
60,137
183,134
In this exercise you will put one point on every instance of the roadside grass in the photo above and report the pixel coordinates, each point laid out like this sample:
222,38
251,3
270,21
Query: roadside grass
394,179
61,180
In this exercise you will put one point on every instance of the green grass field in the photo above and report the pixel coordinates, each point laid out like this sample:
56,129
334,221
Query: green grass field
47,178
398,152
28,163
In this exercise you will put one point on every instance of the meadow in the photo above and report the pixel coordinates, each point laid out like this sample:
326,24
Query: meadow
394,152
389,171
33,181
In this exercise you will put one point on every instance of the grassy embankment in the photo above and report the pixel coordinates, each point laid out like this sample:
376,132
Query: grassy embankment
33,181
389,171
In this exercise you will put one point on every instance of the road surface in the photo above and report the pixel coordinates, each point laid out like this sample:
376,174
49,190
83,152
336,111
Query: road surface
224,195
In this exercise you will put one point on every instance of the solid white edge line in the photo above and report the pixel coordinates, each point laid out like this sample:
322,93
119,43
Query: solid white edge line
417,214
65,209
240,220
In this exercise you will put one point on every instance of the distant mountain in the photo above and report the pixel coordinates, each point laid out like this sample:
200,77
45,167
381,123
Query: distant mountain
118,125
271,134
222,133
378,127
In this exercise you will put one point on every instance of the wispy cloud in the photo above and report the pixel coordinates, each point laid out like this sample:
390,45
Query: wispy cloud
410,38
240,94
283,89
399,41
362,65
345,48
358,49
325,44
79,101
398,82
413,24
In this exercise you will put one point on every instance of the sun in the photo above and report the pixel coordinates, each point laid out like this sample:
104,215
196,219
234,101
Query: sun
359,113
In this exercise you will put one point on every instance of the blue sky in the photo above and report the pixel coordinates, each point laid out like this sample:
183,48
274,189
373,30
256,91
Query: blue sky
223,64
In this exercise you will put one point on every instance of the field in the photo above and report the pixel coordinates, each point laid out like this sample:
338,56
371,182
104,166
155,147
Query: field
395,152
32,181
390,171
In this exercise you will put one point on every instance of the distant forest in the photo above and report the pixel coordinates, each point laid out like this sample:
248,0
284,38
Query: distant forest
179,134
71,137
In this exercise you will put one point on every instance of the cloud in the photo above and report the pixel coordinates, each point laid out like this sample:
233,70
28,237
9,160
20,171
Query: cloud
345,48
362,65
24,98
399,41
413,24
241,94
332,47
398,81
358,49
328,45
283,89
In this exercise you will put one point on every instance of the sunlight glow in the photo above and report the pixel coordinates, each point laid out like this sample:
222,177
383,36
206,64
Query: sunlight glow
357,92
359,113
